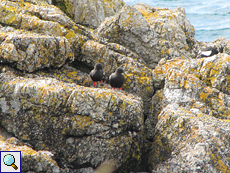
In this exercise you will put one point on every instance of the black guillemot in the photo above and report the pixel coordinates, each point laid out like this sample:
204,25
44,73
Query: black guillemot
97,74
117,79
207,52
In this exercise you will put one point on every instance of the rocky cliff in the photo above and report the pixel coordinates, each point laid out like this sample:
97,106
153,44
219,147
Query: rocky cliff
172,115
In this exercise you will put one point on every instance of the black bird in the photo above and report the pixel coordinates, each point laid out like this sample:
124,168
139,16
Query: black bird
117,79
97,74
207,52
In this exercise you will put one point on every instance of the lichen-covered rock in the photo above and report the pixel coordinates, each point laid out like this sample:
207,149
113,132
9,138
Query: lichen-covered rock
214,71
152,33
155,109
192,127
44,19
221,44
46,98
22,15
138,77
31,52
82,126
66,74
90,12
31,160
192,141
186,89
206,80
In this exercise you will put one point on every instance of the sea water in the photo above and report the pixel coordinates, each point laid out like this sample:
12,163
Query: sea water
210,18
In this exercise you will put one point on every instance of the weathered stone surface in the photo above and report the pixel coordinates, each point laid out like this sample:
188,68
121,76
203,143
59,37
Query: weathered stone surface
221,44
152,33
157,105
187,89
80,125
212,90
22,15
31,160
46,98
67,74
38,16
195,141
30,52
214,71
192,129
43,19
88,12
138,77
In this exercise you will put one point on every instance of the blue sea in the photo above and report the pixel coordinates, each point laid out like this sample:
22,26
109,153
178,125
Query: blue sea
210,18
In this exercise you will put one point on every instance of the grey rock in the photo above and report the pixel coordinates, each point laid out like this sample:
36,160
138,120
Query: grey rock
173,112
152,33
92,13
79,124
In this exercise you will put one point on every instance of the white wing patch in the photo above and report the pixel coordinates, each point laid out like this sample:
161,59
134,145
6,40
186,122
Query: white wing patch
206,53
90,73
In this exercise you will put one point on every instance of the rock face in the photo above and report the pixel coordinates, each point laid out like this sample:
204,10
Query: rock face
153,33
59,117
200,141
90,13
138,76
40,161
30,52
193,117
172,115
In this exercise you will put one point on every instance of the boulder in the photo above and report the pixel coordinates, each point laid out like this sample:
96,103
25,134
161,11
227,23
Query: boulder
38,161
89,13
80,125
191,131
31,160
43,19
31,52
152,33
138,77
190,141
211,72
214,71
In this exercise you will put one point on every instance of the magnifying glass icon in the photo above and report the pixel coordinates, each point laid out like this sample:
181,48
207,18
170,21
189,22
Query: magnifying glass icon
9,160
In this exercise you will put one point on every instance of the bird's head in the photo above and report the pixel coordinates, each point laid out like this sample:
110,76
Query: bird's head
98,66
119,70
